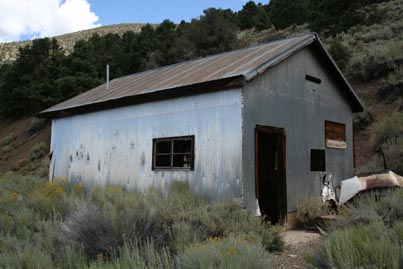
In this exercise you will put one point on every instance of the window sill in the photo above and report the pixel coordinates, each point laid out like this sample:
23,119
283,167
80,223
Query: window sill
173,169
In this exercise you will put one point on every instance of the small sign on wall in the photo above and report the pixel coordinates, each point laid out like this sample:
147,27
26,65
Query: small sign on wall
335,134
336,144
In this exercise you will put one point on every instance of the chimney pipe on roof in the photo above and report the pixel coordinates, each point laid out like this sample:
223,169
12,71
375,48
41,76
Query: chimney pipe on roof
107,77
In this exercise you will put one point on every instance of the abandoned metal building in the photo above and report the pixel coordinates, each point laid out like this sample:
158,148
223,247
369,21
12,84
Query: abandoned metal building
257,123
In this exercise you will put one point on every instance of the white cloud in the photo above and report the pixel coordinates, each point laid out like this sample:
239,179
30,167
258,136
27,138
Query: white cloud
40,18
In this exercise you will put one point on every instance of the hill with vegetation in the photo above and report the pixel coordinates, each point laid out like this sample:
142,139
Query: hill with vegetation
58,225
363,36
9,50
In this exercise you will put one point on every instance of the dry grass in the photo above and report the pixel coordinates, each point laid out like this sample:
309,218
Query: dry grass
58,225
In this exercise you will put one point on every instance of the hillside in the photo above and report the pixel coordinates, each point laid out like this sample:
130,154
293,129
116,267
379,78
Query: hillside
369,52
24,145
9,50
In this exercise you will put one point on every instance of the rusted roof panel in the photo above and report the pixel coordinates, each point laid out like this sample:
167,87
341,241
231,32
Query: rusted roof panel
244,62
230,66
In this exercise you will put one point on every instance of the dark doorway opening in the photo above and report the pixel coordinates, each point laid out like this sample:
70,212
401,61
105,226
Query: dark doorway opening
271,190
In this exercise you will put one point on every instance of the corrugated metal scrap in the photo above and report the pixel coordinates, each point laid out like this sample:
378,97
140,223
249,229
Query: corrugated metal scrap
350,187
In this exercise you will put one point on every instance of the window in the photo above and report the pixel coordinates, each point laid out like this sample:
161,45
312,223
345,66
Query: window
318,160
335,135
173,153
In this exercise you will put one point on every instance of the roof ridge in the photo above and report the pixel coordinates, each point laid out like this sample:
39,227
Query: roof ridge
218,54
242,64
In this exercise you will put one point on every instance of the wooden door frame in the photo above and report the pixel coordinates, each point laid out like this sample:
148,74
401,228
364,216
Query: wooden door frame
276,131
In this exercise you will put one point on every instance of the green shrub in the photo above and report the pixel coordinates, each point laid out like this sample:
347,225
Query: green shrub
179,197
27,200
226,252
12,182
38,151
23,253
340,53
272,240
395,78
392,86
113,195
309,209
398,229
48,199
372,207
374,165
7,140
371,246
393,150
5,149
377,60
224,219
183,234
390,206
362,120
31,167
36,125
42,170
131,255
362,210
142,256
390,127
101,230
114,217
71,227
72,257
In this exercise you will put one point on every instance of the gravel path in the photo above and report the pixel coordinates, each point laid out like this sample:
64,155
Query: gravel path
297,244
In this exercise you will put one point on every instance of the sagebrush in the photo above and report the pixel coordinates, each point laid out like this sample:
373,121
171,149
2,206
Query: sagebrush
61,225
367,233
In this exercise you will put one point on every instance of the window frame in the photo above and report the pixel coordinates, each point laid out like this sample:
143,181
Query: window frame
335,143
172,153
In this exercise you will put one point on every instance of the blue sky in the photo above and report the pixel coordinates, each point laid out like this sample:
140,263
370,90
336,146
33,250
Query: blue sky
27,19
155,11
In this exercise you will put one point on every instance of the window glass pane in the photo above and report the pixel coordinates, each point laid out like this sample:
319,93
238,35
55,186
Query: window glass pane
163,160
182,146
173,153
182,160
318,160
163,146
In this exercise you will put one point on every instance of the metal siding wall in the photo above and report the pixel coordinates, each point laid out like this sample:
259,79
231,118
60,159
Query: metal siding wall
283,98
115,146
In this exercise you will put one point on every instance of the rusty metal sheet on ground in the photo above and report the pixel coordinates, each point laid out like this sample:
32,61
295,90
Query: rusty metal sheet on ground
350,187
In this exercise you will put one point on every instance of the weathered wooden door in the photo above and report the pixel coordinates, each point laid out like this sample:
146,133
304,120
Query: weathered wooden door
270,165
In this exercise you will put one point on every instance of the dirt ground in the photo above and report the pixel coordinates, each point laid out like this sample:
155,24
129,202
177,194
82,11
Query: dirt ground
298,243
25,133
366,140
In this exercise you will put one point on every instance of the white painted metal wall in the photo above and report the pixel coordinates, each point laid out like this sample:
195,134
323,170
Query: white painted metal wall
115,146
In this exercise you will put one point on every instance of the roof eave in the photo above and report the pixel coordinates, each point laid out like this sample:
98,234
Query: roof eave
194,89
250,75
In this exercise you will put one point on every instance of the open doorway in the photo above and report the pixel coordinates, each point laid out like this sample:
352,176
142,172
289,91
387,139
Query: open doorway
270,165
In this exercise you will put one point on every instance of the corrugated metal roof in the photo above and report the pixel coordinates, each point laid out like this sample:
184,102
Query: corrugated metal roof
247,63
